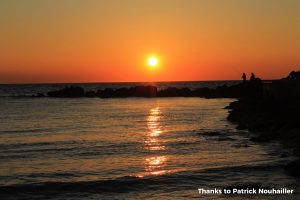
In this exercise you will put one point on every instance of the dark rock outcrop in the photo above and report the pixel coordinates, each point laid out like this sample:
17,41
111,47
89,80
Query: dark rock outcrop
68,92
137,91
75,91
40,95
235,91
269,119
144,91
293,167
175,92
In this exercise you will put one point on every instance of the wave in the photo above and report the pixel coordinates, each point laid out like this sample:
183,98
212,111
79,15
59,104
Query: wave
25,131
56,189
66,148
175,181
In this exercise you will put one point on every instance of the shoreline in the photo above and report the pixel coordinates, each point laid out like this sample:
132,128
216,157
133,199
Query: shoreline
270,121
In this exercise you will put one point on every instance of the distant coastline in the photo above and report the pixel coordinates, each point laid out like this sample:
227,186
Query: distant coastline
27,90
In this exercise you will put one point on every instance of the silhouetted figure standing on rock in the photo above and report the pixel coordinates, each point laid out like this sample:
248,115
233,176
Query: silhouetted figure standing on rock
244,77
252,78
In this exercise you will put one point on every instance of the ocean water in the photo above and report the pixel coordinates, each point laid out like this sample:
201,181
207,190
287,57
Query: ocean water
130,148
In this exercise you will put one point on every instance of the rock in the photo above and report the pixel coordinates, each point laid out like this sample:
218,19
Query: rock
175,92
68,92
224,91
262,138
241,126
144,91
39,95
122,92
108,92
90,94
284,155
293,167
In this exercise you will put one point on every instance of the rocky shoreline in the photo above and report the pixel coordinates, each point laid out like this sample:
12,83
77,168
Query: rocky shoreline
270,121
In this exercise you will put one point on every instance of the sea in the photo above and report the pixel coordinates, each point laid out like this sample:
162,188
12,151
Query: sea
131,148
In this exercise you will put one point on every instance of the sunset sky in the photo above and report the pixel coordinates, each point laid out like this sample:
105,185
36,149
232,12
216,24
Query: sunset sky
45,41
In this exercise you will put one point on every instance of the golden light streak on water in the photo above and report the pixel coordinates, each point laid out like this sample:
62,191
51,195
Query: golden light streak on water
155,165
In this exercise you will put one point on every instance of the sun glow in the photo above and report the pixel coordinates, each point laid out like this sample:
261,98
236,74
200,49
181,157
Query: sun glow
153,61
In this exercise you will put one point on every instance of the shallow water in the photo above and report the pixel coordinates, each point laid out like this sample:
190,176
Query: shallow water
134,148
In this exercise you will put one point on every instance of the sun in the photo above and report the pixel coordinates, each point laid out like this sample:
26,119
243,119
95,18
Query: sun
153,61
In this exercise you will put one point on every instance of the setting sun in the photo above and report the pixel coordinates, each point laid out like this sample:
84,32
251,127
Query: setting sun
142,93
153,61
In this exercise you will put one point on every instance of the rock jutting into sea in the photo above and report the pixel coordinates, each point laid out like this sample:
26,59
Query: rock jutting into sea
235,91
272,114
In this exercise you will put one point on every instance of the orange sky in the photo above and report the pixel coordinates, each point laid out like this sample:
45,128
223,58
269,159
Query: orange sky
109,41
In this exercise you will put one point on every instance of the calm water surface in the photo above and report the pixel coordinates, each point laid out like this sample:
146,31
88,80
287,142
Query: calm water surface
160,148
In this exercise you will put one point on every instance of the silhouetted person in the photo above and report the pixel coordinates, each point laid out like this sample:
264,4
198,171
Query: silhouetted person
244,77
252,78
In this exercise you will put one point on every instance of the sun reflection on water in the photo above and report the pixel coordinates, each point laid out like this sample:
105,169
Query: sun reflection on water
153,142
153,122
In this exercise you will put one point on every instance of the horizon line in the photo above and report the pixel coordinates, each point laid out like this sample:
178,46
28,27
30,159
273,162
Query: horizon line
46,83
